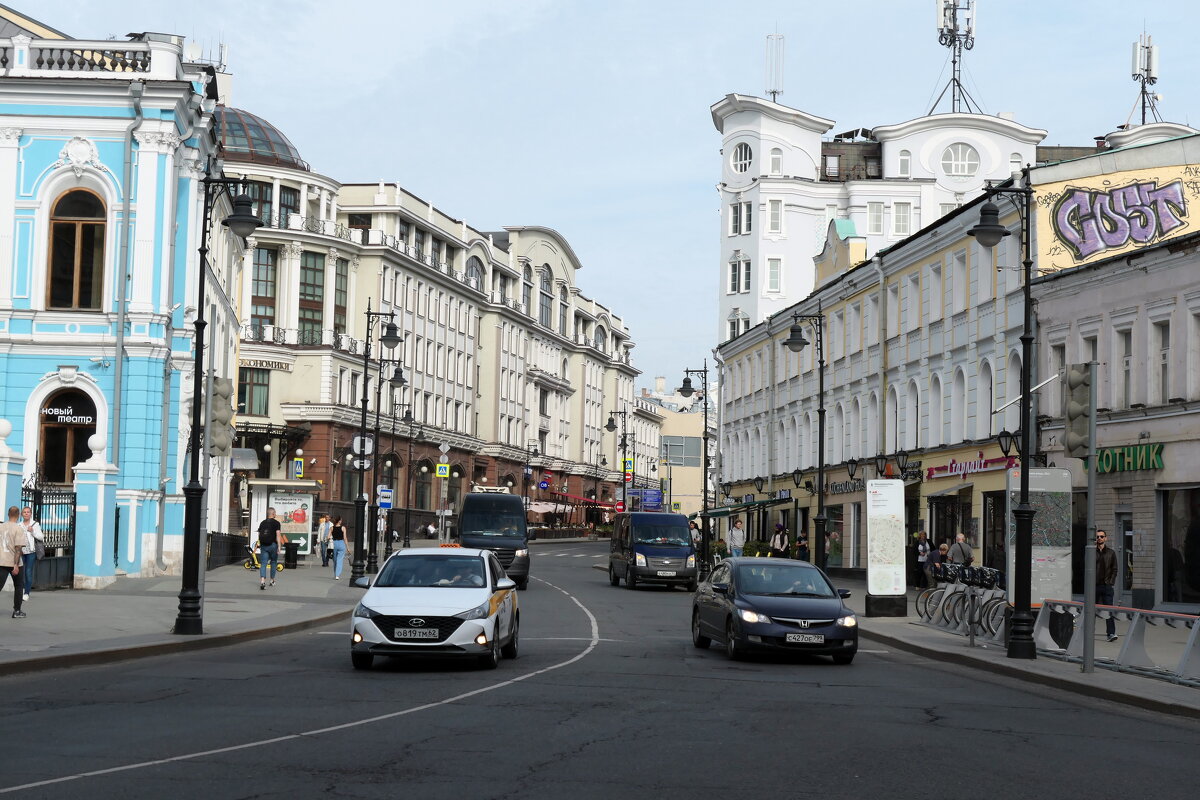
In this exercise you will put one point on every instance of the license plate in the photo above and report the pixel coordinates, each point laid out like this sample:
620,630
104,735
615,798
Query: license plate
662,573
806,638
416,633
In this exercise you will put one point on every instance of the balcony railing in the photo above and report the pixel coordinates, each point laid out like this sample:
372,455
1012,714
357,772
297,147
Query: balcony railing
273,334
22,56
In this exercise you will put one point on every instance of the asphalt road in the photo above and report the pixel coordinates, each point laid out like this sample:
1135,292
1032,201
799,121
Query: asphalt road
607,699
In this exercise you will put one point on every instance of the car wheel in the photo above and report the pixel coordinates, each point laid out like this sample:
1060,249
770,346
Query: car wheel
700,641
361,660
732,648
510,650
491,659
843,658
523,585
612,576
630,578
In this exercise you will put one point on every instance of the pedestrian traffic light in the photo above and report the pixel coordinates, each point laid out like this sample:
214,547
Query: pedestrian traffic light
220,422
1078,412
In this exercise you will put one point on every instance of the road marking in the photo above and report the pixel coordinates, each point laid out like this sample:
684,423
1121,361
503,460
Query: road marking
592,641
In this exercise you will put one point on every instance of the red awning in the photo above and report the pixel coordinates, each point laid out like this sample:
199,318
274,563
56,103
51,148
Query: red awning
587,500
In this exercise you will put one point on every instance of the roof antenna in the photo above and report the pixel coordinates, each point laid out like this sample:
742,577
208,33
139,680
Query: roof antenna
957,21
775,65
1145,72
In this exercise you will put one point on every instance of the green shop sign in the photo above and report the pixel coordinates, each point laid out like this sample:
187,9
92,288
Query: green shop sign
1128,459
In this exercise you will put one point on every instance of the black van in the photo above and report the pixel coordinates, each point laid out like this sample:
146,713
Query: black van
649,547
496,521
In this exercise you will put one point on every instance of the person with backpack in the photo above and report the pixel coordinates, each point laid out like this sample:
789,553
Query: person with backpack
270,542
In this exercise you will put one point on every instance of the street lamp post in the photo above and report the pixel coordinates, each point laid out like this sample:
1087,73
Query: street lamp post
397,381
531,452
686,390
242,222
796,342
989,232
414,430
389,339
611,426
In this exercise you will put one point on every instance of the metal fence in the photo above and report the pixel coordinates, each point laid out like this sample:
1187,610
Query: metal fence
225,548
54,509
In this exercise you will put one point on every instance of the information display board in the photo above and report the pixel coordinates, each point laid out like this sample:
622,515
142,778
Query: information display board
885,538
1050,497
294,512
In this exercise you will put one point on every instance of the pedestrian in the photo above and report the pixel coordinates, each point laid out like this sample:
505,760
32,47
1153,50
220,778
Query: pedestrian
694,532
779,541
35,547
12,546
933,564
960,552
922,577
433,532
270,541
1106,578
323,540
737,538
337,534
802,546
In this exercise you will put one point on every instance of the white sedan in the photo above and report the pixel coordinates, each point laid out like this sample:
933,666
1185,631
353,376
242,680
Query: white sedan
437,601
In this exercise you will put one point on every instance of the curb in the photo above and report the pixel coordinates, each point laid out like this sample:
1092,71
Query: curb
184,644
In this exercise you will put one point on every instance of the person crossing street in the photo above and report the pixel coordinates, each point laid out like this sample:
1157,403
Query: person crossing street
12,547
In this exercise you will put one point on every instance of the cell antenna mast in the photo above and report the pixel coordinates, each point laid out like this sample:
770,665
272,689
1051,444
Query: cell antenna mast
1145,72
775,65
957,21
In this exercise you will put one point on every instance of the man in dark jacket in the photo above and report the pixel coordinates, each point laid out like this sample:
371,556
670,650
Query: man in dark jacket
1106,578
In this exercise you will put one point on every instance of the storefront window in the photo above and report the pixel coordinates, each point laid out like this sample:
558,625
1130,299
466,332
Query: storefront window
834,536
993,530
1181,545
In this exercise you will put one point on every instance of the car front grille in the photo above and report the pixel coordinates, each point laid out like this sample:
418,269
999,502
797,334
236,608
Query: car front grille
799,625
445,626
505,554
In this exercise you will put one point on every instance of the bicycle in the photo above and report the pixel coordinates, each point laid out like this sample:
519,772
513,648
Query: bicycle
253,563
929,599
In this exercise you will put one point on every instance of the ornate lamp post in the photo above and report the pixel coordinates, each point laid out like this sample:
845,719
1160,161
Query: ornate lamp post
397,381
989,233
389,339
796,342
686,390
414,430
531,452
242,222
611,426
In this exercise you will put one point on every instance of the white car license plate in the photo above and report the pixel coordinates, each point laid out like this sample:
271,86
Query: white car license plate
662,573
806,638
416,633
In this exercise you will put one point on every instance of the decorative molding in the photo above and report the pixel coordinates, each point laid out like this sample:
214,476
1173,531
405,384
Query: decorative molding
166,142
79,154
9,135
293,249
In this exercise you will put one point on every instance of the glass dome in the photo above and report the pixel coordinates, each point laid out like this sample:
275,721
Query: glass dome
247,137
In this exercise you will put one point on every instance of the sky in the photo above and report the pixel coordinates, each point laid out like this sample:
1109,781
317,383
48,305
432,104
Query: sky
591,117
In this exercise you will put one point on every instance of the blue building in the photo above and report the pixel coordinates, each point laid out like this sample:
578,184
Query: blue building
103,145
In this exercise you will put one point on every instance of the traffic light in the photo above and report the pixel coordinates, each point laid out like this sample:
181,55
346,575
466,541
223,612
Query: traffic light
1078,412
220,424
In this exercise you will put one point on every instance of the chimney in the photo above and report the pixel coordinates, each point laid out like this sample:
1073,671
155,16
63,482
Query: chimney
660,385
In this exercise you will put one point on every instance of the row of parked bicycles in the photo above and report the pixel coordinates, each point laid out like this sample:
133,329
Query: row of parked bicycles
966,598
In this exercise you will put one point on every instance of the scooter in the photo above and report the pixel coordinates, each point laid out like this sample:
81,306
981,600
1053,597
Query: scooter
253,563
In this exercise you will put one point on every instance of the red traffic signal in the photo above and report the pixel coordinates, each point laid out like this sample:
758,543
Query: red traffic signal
620,506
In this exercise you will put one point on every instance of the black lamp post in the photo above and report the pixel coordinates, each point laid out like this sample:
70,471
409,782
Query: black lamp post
686,390
989,233
531,452
242,222
611,426
880,465
389,339
796,342
852,467
397,381
414,430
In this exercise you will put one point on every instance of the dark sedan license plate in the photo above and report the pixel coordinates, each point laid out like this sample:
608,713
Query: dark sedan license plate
806,638
666,573
416,633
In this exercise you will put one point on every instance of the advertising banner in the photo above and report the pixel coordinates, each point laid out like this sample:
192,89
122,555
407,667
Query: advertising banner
885,538
294,512
1050,497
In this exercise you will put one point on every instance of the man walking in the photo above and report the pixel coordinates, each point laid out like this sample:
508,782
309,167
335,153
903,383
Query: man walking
12,546
737,539
960,551
923,578
270,537
1106,578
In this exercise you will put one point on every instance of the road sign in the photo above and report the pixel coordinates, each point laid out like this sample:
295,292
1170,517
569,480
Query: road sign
362,446
443,470
297,468
543,485
385,498
629,477
444,448
675,506
620,506
360,463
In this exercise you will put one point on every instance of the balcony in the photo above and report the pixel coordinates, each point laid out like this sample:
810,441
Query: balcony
22,57
293,337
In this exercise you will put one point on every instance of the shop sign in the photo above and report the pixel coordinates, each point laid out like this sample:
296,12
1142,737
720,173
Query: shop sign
1131,458
783,494
261,363
962,469
65,415
846,487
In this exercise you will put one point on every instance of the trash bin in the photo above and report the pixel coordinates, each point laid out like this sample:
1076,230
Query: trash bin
290,550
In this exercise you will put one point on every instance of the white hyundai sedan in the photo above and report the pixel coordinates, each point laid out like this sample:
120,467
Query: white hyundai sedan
437,601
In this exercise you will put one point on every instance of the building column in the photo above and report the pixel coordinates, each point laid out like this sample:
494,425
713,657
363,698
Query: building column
95,502
12,465
10,156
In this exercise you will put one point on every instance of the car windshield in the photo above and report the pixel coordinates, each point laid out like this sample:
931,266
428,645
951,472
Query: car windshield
661,534
782,579
453,571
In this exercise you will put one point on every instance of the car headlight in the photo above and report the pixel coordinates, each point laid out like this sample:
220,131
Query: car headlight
362,611
848,622
641,560
691,562
521,553
752,616
478,612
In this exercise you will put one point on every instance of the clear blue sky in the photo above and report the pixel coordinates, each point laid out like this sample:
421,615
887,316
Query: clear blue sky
592,117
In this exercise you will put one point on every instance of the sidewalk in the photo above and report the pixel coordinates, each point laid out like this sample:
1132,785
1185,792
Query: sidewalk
133,618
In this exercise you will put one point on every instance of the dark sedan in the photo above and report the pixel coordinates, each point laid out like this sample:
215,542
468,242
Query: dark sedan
773,604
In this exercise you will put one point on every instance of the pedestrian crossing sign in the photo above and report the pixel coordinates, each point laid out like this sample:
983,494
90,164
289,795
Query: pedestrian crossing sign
675,506
443,470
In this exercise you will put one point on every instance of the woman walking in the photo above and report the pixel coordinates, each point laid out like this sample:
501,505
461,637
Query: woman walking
338,535
34,540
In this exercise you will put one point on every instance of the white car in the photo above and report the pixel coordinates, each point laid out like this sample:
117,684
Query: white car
437,601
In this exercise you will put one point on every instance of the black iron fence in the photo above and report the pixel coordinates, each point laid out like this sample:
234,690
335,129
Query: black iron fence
226,548
54,510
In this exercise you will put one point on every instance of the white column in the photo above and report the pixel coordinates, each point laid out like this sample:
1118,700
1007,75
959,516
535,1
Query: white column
9,156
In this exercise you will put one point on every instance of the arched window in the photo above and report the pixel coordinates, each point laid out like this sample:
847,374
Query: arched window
1014,162
839,436
912,417
474,272
68,419
960,160
776,161
985,401
905,167
562,311
76,279
742,155
545,299
423,484
936,404
601,340
958,408
893,421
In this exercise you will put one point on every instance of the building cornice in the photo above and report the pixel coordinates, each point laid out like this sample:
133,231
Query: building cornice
977,122
732,104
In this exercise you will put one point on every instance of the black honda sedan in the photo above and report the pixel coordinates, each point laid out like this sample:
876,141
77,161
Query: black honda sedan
773,604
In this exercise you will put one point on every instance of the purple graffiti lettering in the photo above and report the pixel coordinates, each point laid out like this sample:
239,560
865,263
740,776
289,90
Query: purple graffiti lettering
1088,222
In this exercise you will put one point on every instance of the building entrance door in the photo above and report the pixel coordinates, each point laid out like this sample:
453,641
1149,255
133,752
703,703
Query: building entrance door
68,419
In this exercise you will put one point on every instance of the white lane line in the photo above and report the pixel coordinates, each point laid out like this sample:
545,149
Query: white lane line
592,642
580,555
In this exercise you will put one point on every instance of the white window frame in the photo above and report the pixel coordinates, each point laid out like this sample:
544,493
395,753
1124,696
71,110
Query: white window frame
735,277
774,275
775,216
831,165
904,165
960,160
747,218
745,276
875,219
735,219
936,291
742,157
776,161
901,219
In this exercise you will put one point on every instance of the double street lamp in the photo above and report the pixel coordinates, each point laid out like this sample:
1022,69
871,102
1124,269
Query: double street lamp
397,382
687,390
611,426
414,430
796,342
531,452
242,223
389,339
989,233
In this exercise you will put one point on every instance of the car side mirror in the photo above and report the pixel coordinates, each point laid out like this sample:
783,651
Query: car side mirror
362,583
505,583
843,593
721,588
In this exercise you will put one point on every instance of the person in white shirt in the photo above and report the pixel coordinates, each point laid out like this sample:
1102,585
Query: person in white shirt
12,545
33,536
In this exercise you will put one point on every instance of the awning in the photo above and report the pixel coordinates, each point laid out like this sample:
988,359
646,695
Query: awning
244,459
283,483
544,507
589,501
955,489
725,511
